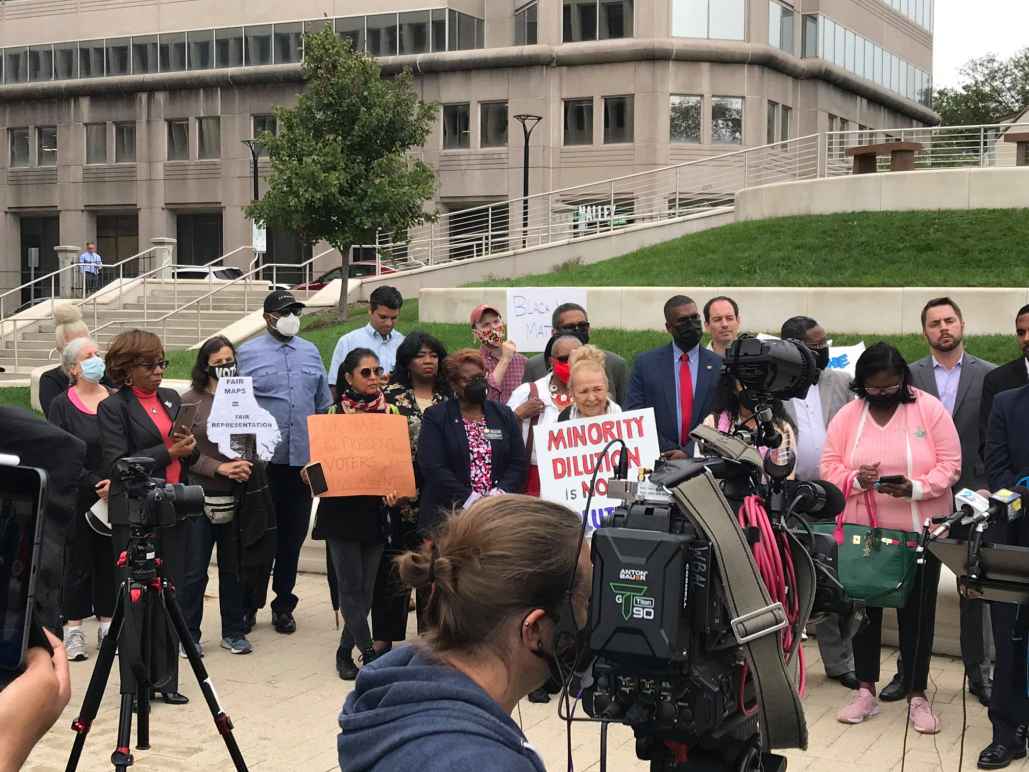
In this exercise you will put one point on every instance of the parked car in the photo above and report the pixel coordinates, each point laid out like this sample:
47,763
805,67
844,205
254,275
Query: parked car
209,273
357,270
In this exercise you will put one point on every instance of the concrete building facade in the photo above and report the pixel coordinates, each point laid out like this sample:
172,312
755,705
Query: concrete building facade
123,121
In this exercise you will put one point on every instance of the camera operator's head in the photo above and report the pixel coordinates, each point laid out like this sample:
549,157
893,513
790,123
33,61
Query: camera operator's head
499,573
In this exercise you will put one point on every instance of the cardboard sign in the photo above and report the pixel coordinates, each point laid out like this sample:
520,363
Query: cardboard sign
235,414
530,312
363,454
567,452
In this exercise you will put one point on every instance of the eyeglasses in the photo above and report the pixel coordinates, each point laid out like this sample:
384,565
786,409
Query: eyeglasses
366,372
562,359
883,392
151,366
823,347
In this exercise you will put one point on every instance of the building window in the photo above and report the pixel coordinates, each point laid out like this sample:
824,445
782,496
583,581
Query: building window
414,32
810,36
578,122
493,124
351,28
19,144
201,49
124,143
91,59
618,119
526,25
46,146
770,128
719,19
66,61
96,143
119,57
727,120
228,47
786,124
685,119
780,26
171,52
41,63
465,31
209,138
439,29
264,124
289,43
382,34
178,140
596,20
456,127
144,54
259,45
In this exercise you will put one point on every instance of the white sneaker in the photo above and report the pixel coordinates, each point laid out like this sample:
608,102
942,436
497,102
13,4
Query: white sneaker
75,645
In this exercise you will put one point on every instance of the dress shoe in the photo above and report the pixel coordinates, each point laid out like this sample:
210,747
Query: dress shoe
894,690
174,698
249,620
539,696
346,668
847,679
981,687
283,622
997,755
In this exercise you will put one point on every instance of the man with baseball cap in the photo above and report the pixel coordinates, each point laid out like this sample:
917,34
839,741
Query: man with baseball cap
290,383
504,365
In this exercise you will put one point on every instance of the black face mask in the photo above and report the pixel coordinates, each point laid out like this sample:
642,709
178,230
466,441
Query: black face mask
688,334
475,391
822,358
746,399
227,370
885,400
582,333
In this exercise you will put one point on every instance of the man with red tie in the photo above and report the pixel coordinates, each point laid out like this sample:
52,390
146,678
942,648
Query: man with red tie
677,380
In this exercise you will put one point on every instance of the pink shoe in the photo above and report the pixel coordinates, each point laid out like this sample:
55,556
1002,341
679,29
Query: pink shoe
864,705
922,717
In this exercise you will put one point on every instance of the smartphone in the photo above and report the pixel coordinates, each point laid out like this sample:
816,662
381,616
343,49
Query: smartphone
22,493
184,419
317,477
891,479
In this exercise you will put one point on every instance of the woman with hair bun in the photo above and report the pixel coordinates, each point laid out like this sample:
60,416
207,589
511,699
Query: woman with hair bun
588,385
68,326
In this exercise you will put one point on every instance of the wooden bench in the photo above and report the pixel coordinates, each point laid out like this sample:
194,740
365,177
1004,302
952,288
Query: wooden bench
1021,141
902,156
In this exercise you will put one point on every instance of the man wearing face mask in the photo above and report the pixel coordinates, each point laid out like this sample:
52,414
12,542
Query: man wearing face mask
678,380
291,384
1011,375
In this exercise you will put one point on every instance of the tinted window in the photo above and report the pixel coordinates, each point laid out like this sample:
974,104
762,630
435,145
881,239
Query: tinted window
228,47
118,56
414,32
171,50
201,49
578,122
352,29
144,54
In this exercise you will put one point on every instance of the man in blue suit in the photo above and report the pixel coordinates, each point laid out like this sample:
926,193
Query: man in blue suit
677,380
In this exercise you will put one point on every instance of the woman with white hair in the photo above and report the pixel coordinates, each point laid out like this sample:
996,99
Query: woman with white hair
89,586
69,327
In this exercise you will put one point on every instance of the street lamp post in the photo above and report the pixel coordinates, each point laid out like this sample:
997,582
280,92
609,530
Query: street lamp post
529,122
254,146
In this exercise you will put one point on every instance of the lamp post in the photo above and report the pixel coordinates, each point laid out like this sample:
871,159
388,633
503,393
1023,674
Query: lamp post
258,236
255,148
529,122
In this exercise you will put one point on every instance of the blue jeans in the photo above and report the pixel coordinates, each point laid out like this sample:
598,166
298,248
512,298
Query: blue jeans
202,537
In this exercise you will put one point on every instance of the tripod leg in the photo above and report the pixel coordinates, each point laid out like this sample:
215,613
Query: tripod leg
221,718
143,717
122,756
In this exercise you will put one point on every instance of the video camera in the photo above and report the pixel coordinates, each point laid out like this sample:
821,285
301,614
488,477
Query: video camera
153,503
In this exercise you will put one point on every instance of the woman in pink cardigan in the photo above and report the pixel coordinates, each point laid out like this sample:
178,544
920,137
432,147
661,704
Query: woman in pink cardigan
892,430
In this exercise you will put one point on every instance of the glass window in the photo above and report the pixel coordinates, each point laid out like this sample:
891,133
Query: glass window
466,30
264,124
579,21
259,45
578,122
352,28
869,59
66,61
439,29
382,34
840,50
41,63
96,143
480,33
773,114
201,49
209,137
829,40
810,35
314,26
850,43
493,124
618,119
689,18
615,19
228,47
728,19
91,59
171,51
178,140
727,120
895,77
414,32
526,25
780,26
289,43
19,142
124,143
456,128
118,56
786,123
144,54
685,118
46,146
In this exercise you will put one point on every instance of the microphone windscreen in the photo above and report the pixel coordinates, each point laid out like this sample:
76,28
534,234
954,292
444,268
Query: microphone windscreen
835,502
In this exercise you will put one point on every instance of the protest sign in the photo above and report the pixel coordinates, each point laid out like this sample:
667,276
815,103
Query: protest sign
530,311
567,452
235,413
363,454
845,357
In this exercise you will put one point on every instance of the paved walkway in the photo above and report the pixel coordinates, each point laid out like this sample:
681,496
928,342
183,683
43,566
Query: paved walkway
284,699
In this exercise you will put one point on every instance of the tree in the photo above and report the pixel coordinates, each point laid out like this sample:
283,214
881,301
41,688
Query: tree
341,166
991,89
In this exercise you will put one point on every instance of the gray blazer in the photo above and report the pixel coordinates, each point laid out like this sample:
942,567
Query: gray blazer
966,412
617,374
834,390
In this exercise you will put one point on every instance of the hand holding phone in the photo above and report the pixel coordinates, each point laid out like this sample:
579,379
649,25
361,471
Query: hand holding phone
183,424
891,479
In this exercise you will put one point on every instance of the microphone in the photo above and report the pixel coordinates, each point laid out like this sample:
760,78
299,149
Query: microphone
818,498
973,508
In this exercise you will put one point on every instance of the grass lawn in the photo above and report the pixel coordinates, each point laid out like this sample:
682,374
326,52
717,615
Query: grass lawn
978,248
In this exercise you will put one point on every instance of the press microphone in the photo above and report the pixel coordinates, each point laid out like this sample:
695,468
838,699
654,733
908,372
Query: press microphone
818,498
972,508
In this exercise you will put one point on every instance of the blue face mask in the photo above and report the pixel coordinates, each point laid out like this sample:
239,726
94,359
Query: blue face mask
93,369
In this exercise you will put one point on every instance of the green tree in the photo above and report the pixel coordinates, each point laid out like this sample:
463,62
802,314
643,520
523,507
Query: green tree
990,89
341,166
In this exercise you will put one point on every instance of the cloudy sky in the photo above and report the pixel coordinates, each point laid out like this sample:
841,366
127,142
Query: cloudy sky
967,29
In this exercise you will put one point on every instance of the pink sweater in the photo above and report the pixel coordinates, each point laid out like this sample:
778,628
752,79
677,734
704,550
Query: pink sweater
920,442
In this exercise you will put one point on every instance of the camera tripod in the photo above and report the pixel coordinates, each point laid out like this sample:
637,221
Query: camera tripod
141,596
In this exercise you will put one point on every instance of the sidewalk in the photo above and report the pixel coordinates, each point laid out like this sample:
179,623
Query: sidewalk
284,699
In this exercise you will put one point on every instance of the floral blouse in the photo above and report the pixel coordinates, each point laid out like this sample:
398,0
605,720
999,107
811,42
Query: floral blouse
481,453
403,399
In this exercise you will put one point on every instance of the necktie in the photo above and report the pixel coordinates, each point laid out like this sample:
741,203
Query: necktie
685,397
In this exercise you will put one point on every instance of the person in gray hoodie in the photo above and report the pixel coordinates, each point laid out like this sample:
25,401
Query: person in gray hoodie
499,573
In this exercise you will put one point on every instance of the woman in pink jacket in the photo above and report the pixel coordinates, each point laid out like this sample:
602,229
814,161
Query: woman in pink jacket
894,430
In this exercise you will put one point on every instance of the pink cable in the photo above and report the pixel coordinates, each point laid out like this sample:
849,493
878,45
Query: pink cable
775,563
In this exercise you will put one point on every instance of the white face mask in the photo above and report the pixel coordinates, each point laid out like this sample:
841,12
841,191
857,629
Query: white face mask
288,325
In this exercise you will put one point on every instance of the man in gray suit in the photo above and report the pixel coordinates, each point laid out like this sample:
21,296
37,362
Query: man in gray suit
571,319
811,414
956,377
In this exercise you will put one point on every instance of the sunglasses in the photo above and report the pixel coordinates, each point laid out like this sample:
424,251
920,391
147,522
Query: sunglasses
367,372
151,366
563,359
580,327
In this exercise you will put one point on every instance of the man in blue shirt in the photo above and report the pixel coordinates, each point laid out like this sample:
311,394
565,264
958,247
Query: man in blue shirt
89,264
290,383
378,335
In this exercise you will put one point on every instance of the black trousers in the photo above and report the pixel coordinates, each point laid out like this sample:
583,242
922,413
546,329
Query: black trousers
357,566
1009,705
390,602
292,500
89,586
916,624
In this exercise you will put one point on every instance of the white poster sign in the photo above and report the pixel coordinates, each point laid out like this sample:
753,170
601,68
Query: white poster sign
845,357
235,414
259,238
568,451
529,312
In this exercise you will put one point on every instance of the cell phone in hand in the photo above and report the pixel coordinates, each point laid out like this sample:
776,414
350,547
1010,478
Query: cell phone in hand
891,479
316,476
184,419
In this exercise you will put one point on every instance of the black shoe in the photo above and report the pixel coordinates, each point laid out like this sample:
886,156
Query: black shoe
368,656
981,687
345,666
997,755
539,696
174,698
847,679
894,690
249,620
284,622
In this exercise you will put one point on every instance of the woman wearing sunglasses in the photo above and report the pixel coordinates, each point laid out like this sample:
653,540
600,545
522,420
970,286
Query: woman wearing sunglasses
354,527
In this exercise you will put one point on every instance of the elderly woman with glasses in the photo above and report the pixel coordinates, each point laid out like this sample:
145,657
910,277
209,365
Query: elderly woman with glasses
137,420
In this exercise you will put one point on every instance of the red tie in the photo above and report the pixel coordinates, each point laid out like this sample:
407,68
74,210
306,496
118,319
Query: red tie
685,397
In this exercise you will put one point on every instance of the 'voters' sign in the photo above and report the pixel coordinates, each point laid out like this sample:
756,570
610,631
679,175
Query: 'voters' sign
530,311
568,451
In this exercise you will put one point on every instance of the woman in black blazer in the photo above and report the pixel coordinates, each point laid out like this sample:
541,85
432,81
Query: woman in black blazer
468,444
136,421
